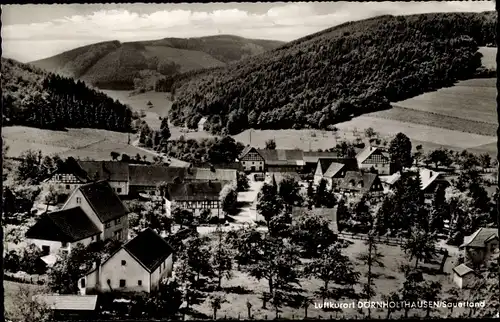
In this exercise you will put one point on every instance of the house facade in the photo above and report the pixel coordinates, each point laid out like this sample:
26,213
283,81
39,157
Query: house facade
195,196
464,276
431,181
480,246
280,160
114,172
103,206
251,160
201,124
358,183
376,158
62,230
138,266
333,170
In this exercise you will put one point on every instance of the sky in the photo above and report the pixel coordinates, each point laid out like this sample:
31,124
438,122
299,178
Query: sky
32,32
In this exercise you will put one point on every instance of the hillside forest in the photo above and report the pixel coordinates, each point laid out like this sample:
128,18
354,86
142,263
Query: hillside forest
31,97
331,76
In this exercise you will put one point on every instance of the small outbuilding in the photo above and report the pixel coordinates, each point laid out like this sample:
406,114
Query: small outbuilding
463,276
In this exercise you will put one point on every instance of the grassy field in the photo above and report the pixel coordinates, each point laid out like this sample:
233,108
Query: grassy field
419,133
10,292
472,99
139,102
432,119
242,287
79,143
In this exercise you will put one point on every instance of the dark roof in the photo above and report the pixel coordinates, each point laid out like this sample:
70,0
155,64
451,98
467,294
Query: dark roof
67,225
479,238
207,174
367,179
314,156
245,151
350,163
282,157
333,169
151,175
106,170
68,302
194,191
104,201
234,165
149,249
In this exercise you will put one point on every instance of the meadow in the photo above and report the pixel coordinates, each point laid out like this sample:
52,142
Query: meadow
78,143
473,99
242,288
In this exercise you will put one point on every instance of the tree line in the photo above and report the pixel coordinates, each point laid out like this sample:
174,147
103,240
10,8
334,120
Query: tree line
336,74
46,100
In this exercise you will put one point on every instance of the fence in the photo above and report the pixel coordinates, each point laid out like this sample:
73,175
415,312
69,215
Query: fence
379,239
26,279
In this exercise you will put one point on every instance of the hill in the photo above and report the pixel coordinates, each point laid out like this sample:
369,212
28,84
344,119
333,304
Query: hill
116,65
33,97
331,76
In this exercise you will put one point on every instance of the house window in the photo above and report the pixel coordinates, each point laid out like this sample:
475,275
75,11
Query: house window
119,190
124,263
118,234
122,283
45,250
117,221
92,238
108,224
139,282
67,187
82,283
78,200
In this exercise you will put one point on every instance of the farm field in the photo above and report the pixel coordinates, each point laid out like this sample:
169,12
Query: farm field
242,287
489,57
419,132
79,143
404,114
473,99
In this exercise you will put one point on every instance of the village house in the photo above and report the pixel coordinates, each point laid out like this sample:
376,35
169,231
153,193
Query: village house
431,181
311,159
103,206
333,170
464,276
69,306
358,183
282,160
251,160
139,265
195,196
388,182
62,230
114,172
376,158
201,124
480,246
66,178
147,178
